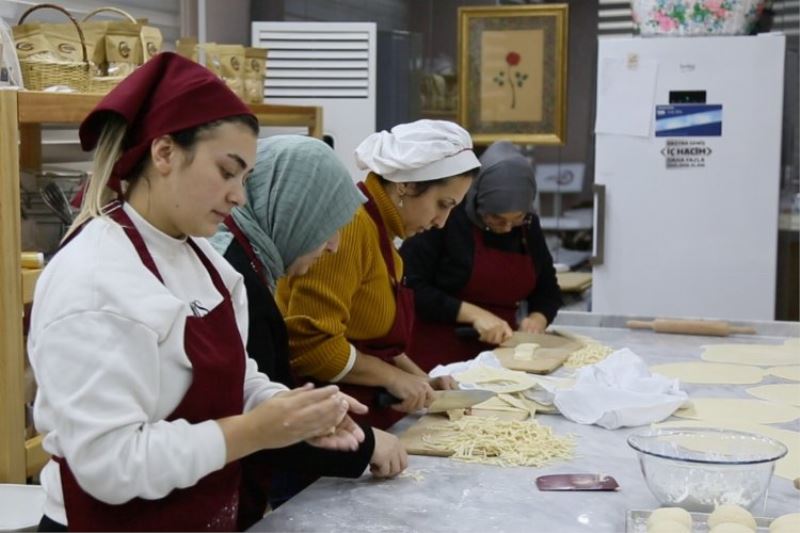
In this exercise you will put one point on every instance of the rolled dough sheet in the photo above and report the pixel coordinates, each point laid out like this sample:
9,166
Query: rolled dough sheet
699,372
786,372
499,380
788,467
787,353
783,393
739,409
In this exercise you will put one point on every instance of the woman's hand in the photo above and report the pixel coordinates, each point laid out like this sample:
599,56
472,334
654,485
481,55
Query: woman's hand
534,323
299,414
414,391
444,383
491,328
304,413
346,437
389,457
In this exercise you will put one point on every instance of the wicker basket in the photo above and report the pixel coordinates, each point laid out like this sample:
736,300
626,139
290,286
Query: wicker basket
39,75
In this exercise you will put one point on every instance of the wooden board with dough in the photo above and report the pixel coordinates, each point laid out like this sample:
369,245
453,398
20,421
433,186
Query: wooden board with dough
426,425
550,352
435,424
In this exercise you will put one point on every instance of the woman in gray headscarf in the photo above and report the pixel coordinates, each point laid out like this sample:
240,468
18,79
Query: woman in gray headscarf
490,256
298,198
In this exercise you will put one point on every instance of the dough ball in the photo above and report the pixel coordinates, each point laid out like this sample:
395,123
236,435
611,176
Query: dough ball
675,514
730,527
731,514
785,523
667,526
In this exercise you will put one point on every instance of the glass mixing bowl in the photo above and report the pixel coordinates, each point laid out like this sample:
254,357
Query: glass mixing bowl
700,468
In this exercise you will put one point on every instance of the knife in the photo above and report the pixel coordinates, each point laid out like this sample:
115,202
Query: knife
443,400
458,399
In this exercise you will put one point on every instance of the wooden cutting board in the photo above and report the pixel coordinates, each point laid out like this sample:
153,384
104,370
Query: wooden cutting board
552,352
433,424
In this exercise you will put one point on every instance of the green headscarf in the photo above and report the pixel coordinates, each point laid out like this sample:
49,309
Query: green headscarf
299,195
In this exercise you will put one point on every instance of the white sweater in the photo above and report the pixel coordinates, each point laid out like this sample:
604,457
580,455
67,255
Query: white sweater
106,346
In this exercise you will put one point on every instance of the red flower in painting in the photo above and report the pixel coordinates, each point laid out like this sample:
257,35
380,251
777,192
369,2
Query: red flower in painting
512,58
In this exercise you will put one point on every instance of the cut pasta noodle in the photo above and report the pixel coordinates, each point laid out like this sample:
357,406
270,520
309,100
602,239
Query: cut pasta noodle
500,442
593,352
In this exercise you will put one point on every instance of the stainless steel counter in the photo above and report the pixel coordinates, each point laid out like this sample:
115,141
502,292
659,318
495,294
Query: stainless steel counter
450,495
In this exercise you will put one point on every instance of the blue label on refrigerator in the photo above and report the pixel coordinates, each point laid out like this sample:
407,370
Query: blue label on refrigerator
689,120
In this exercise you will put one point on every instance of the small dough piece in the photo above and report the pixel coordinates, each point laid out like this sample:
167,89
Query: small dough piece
784,393
730,527
525,351
667,526
714,373
735,514
738,409
456,414
791,372
787,522
675,514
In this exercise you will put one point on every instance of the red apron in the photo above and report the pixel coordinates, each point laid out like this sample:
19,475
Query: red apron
394,342
499,281
217,354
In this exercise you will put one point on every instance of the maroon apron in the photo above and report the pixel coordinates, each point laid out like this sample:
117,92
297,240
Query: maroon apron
215,349
498,282
394,342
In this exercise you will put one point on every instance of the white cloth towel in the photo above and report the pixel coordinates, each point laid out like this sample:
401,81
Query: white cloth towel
619,391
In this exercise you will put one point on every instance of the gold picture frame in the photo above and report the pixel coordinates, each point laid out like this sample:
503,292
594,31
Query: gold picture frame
512,73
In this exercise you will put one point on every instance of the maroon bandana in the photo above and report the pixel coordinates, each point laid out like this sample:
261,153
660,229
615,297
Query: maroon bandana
169,93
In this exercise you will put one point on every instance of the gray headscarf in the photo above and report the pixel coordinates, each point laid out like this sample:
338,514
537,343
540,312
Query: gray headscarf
299,195
505,183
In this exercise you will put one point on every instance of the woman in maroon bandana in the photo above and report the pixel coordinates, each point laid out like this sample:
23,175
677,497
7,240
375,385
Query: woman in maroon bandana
146,396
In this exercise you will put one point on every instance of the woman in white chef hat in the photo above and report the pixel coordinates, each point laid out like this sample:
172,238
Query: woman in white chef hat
350,316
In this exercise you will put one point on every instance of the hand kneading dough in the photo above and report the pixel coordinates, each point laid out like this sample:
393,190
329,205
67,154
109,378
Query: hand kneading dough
730,527
788,522
731,514
667,526
698,372
675,514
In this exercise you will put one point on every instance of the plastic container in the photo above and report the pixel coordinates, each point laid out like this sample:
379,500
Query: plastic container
696,17
700,468
20,507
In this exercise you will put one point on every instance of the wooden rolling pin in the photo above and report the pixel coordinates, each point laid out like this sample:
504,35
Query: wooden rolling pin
717,328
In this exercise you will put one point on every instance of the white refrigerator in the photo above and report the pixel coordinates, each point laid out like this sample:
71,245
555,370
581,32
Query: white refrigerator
687,172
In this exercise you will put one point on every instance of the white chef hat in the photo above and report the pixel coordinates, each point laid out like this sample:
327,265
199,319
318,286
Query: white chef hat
424,150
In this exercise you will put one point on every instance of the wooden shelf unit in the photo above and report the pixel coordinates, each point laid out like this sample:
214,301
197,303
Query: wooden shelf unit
22,114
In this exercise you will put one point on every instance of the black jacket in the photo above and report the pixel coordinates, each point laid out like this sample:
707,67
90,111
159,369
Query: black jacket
438,264
268,345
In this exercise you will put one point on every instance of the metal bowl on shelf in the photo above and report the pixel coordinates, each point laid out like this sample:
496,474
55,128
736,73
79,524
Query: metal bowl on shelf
700,468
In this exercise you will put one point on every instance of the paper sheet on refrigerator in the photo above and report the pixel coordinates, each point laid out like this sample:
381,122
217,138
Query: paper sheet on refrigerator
626,96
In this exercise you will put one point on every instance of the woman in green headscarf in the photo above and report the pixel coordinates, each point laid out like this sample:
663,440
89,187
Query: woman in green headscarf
298,197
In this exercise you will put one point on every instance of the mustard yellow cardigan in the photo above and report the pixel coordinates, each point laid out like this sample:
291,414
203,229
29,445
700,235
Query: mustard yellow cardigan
345,295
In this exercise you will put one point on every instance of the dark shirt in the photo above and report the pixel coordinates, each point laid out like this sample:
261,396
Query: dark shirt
438,264
268,345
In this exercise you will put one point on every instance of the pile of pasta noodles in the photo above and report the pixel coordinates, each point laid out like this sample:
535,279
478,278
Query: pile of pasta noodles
477,439
591,353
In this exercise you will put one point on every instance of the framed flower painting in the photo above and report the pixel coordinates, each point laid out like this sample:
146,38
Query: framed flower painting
512,73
